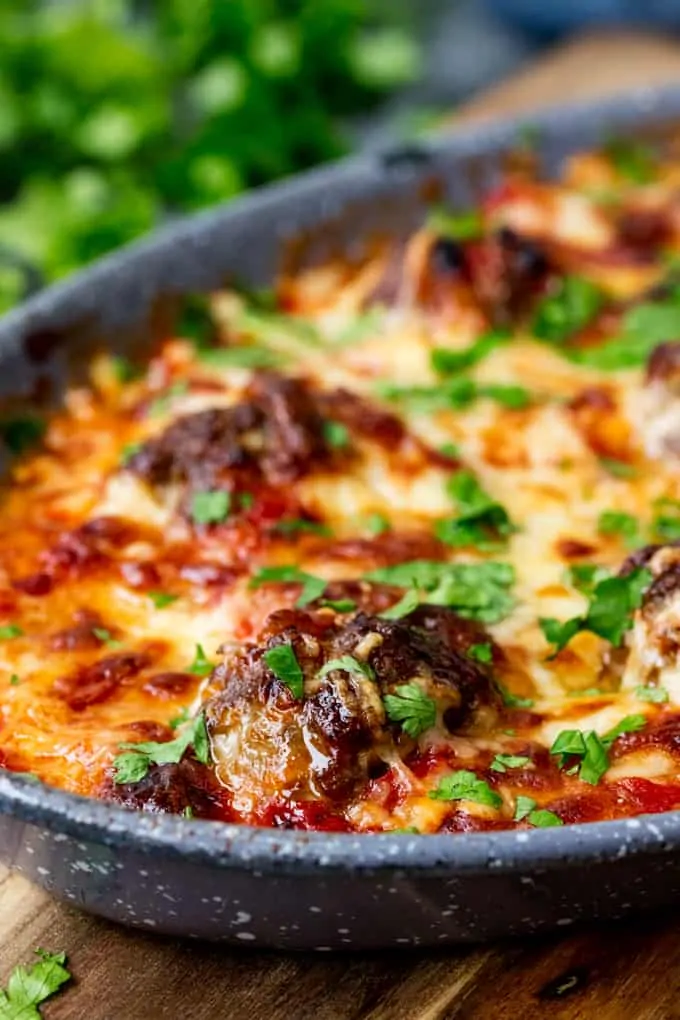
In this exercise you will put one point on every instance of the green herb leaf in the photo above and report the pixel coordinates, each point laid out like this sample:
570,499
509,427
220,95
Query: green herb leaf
464,785
503,762
9,631
105,636
15,680
629,724
478,591
188,812
21,433
446,361
411,707
129,451
666,524
210,507
409,601
480,518
618,468
523,807
283,663
339,605
462,226
134,763
454,394
336,434
642,329
312,587
514,700
348,664
180,719
544,819
595,759
123,369
375,524
161,599
28,987
511,396
586,576
633,160
657,695
574,303
239,357
482,652
623,525
298,525
162,404
201,666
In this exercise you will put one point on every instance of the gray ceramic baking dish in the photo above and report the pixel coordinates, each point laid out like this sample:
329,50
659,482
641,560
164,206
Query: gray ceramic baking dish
285,889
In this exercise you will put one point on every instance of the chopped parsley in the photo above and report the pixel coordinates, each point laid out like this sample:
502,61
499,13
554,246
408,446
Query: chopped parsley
188,812
336,434
339,605
618,468
21,433
312,587
375,524
503,762
239,357
411,707
590,749
666,523
298,525
642,329
657,695
210,507
515,700
246,500
620,524
181,718
461,226
478,591
574,303
480,519
9,631
283,663
134,763
201,666
409,601
482,652
609,614
106,637
526,810
465,785
15,680
29,987
446,361
123,369
454,394
129,451
631,159
586,576
161,599
348,664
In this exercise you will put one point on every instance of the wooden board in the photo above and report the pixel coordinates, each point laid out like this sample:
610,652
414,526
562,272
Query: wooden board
627,971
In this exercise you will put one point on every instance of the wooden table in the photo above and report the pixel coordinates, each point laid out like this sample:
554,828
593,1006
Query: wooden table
625,972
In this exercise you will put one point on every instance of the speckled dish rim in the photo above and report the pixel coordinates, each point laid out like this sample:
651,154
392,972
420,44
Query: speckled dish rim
168,253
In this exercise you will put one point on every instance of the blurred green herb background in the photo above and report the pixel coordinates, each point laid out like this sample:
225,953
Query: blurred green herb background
115,114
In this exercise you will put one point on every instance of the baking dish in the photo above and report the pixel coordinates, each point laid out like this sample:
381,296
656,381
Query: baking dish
290,889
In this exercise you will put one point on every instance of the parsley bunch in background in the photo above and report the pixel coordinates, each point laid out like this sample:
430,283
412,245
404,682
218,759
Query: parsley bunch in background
115,114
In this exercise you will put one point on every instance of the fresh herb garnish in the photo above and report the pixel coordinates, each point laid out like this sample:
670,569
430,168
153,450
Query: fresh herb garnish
21,433
461,226
134,763
283,663
29,987
503,762
161,599
609,614
621,525
586,576
210,507
188,812
642,329
633,160
592,749
239,357
181,718
465,785
246,500
129,451
515,700
409,601
9,631
525,809
618,468
666,523
657,695
15,680
411,707
312,587
265,325
298,525
446,361
480,518
572,306
348,664
478,591
106,637
482,652
339,605
336,434
375,524
201,666
123,369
